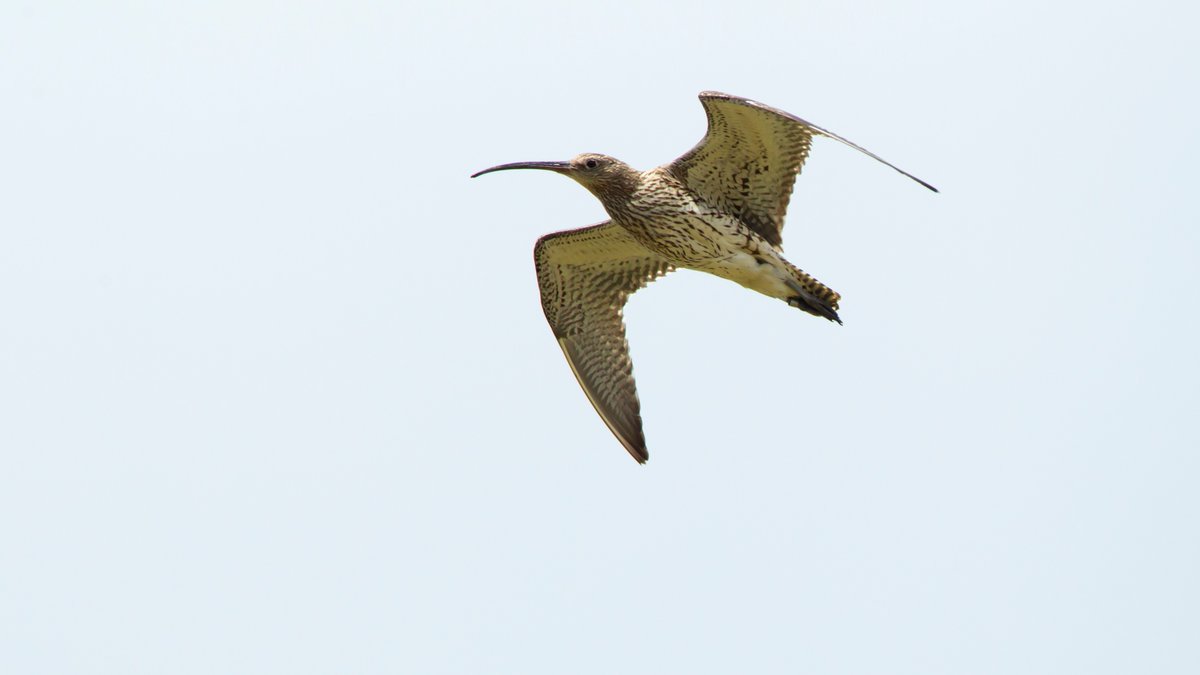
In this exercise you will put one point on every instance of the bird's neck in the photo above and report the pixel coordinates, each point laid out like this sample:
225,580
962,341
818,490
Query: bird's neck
617,191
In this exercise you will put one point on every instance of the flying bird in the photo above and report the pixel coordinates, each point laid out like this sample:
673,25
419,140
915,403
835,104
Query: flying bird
718,209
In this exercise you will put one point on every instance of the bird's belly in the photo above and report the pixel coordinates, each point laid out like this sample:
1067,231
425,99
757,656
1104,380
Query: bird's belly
757,273
719,246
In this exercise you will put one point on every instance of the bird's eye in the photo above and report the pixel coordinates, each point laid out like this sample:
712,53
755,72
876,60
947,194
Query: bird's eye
591,163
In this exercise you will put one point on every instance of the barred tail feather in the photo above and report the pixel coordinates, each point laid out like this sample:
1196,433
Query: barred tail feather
812,296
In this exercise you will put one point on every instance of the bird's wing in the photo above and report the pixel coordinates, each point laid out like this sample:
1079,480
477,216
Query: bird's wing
748,161
585,276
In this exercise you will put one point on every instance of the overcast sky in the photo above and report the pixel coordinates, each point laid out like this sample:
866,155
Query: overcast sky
277,396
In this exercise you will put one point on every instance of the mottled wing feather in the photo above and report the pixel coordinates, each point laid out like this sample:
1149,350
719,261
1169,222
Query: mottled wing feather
748,161
585,276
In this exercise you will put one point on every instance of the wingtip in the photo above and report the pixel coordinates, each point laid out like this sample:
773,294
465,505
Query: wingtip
637,450
635,446
709,95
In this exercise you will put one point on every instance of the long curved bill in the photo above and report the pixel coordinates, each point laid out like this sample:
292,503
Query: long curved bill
547,166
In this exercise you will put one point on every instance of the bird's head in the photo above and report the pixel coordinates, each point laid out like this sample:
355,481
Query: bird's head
606,177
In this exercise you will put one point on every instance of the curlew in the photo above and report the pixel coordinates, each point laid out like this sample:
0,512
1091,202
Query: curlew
718,209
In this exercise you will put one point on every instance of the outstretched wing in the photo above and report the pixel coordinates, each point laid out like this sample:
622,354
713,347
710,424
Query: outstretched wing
748,161
585,277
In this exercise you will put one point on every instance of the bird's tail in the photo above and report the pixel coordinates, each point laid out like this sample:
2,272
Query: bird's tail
812,296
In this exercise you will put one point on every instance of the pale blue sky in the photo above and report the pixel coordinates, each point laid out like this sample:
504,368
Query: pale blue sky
276,393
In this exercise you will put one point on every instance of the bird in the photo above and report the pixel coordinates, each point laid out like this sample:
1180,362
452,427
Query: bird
719,208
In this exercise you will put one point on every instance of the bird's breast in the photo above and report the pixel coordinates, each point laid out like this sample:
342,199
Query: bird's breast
689,237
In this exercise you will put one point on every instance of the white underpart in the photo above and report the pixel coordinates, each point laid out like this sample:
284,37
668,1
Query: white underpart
769,279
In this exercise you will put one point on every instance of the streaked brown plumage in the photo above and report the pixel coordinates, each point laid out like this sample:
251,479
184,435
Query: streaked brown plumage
718,209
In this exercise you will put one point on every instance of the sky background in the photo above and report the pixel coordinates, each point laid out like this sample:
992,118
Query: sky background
277,396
